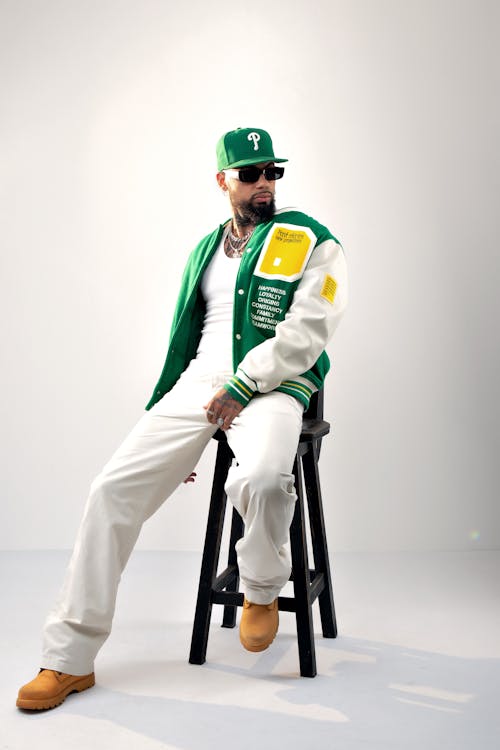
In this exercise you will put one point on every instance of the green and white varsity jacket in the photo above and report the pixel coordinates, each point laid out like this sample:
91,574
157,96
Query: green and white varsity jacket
290,293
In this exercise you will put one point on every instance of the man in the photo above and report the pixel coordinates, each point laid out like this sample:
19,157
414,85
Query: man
259,300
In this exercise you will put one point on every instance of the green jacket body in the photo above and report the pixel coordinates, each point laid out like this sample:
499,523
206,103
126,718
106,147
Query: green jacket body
290,293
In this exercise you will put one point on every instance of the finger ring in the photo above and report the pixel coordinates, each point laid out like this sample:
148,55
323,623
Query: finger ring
220,421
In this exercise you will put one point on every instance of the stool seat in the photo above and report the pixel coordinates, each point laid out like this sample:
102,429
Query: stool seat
309,584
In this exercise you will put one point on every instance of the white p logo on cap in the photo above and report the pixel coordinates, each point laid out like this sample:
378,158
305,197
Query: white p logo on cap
255,137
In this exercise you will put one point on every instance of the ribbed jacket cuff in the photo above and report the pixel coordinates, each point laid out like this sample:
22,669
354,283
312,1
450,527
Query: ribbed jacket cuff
241,387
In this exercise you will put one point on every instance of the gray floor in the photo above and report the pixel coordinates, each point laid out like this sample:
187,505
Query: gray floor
416,663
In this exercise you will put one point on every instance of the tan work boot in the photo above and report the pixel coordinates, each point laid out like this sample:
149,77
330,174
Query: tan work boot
50,688
259,625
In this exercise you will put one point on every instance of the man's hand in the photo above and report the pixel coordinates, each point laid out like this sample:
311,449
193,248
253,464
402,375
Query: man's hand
222,407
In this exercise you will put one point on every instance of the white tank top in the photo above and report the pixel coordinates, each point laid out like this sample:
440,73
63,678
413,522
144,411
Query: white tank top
215,352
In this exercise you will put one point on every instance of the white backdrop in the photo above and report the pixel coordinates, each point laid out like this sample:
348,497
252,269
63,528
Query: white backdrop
389,114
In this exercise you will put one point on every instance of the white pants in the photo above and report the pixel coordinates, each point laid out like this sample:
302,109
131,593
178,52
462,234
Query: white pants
160,452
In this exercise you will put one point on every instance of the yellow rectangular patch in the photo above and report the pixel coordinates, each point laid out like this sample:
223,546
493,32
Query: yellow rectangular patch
286,252
329,288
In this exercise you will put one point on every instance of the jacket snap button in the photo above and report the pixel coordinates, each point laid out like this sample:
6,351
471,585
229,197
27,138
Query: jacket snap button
238,336
241,291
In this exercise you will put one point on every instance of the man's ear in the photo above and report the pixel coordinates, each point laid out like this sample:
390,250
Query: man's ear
221,181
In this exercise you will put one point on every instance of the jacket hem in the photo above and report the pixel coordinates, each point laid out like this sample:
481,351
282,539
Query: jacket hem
293,388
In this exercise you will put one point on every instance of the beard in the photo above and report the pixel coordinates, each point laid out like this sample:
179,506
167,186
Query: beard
247,214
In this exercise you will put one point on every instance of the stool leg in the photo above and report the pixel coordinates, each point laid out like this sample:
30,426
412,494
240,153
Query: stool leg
318,539
210,558
229,617
301,582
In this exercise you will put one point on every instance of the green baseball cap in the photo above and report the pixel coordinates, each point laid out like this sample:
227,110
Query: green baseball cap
245,146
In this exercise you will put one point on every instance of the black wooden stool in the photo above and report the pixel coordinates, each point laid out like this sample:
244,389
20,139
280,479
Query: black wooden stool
308,584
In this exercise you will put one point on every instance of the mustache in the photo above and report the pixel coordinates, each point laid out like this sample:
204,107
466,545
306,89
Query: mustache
262,192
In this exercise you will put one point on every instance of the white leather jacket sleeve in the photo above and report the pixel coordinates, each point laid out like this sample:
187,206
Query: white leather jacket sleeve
307,327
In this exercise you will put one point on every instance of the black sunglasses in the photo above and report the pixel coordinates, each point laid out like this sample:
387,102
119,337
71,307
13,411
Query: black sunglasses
252,174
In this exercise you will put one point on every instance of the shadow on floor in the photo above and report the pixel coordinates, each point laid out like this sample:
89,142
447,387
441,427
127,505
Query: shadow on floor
368,694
